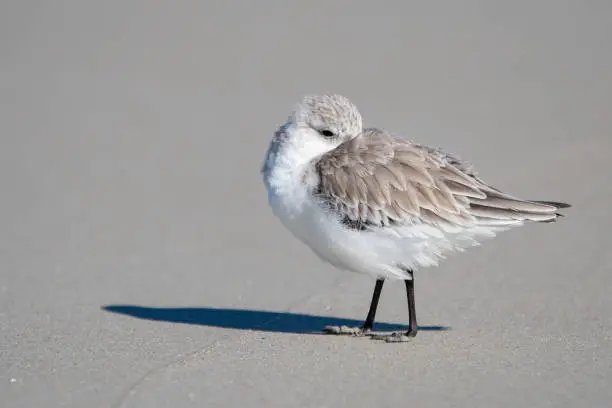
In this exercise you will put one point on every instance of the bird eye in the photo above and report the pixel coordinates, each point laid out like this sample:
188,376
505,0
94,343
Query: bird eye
326,133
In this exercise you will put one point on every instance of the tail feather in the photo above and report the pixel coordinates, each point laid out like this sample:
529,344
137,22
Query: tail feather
501,207
507,203
553,203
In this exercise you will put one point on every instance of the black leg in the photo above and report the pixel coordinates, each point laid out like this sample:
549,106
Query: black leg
412,328
369,322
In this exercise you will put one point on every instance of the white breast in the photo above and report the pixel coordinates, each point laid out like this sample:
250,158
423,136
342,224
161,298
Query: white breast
285,169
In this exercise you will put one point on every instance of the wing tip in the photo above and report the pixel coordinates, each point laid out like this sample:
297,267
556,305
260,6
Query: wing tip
556,204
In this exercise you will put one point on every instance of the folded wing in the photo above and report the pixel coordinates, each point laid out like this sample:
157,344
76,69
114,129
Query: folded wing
376,180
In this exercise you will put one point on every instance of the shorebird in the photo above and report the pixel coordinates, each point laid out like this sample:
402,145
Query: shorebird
370,202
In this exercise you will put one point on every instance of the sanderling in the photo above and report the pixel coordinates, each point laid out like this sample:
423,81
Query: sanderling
370,202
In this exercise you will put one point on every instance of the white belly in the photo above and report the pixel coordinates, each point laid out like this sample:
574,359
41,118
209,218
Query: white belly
345,249
382,253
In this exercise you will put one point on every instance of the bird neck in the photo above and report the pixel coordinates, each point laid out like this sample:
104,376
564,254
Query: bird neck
288,162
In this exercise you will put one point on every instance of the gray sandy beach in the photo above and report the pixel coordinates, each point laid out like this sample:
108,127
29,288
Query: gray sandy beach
142,267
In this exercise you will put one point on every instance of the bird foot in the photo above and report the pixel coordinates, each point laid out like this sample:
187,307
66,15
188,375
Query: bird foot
346,331
399,337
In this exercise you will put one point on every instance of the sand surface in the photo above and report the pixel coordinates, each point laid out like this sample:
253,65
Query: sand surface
141,266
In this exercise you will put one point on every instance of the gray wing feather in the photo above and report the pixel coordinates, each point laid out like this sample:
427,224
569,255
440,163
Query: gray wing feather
378,180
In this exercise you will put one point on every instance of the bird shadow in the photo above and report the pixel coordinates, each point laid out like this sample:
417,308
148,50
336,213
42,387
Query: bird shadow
245,319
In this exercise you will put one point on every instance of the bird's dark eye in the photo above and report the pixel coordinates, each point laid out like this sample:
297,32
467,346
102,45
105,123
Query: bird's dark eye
326,133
